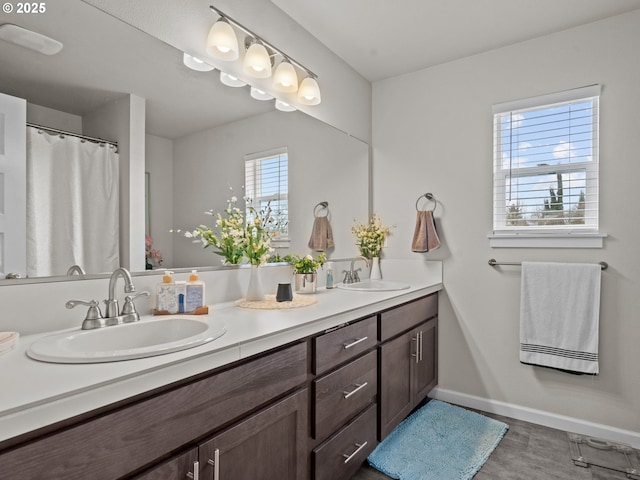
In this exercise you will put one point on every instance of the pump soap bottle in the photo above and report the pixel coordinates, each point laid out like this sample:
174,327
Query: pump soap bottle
166,298
195,293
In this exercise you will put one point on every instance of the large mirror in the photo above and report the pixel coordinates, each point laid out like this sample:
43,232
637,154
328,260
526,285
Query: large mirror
182,136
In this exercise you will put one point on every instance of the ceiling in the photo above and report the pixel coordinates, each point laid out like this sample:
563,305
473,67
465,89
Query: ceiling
382,39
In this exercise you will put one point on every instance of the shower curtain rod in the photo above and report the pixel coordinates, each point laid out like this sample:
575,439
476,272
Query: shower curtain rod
71,134
493,262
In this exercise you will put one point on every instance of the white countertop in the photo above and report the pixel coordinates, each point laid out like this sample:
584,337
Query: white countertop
36,394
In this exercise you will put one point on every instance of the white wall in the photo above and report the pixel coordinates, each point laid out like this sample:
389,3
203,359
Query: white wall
324,165
159,165
432,132
49,117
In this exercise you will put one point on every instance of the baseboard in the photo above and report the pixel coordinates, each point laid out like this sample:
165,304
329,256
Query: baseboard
539,417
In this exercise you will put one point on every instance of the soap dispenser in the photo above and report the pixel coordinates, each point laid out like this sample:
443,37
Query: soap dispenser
330,283
194,293
166,297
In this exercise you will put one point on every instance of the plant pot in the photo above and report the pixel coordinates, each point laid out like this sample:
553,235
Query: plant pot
305,282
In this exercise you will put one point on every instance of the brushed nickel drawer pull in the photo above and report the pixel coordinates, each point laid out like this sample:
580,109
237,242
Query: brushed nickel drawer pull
358,387
360,447
417,354
420,333
355,342
196,471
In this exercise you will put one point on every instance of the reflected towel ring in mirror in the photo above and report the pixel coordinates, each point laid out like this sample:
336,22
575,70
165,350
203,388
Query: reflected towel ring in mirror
428,196
319,208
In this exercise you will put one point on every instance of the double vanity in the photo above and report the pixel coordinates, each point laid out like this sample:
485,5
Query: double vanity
302,393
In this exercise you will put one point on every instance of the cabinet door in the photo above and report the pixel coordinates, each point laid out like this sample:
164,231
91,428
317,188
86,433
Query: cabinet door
426,369
272,444
396,397
177,469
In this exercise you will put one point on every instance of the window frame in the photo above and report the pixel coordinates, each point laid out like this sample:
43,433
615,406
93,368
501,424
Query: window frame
253,185
569,235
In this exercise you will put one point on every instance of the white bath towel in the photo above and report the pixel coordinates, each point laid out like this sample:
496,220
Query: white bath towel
559,315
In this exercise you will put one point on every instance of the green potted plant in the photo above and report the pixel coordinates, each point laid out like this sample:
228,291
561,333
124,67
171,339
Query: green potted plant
305,271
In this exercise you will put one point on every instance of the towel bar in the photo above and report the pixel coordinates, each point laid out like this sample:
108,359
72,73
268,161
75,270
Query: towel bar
493,262
428,196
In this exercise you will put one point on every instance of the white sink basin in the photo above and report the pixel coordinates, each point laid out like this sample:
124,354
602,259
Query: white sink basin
374,286
146,338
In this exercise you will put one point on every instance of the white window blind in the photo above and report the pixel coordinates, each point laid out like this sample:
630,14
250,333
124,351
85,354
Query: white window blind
546,163
267,185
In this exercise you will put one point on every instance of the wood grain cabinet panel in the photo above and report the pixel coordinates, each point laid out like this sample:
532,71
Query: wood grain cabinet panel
343,344
269,445
402,318
408,372
342,455
176,469
343,393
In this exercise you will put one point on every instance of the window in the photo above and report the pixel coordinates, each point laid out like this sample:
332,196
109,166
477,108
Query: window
546,164
267,184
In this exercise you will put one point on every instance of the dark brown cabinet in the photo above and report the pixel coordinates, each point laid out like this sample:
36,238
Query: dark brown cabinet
270,444
408,362
313,408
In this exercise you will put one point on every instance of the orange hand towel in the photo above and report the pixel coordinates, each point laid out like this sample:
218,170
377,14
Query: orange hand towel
425,237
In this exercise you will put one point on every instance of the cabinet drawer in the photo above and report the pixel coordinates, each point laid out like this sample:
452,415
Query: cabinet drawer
342,455
341,394
407,316
345,343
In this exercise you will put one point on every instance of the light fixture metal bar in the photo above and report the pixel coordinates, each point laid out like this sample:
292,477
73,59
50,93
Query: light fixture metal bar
262,40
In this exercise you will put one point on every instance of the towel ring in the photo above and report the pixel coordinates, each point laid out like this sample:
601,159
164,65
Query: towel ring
428,196
319,207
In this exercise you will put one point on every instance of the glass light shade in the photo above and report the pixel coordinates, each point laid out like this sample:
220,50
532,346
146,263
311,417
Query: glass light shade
260,94
285,78
194,63
284,106
257,62
309,92
222,42
230,80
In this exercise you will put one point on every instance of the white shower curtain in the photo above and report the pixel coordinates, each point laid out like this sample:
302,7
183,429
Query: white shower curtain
72,205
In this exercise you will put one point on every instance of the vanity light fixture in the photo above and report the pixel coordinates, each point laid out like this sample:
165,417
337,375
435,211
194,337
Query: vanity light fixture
284,106
194,63
285,78
257,62
230,80
309,92
222,42
260,94
29,39
260,57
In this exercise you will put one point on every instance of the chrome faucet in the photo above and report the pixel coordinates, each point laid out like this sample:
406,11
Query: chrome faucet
94,318
111,302
76,269
351,275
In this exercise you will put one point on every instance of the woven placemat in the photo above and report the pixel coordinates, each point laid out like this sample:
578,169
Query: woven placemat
270,302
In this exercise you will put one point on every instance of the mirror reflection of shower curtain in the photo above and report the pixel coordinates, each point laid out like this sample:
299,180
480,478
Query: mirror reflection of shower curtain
72,205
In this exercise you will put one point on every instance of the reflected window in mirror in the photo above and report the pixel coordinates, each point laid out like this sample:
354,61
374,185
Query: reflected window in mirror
267,187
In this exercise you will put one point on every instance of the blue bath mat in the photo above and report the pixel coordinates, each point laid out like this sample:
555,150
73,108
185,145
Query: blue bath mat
438,442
